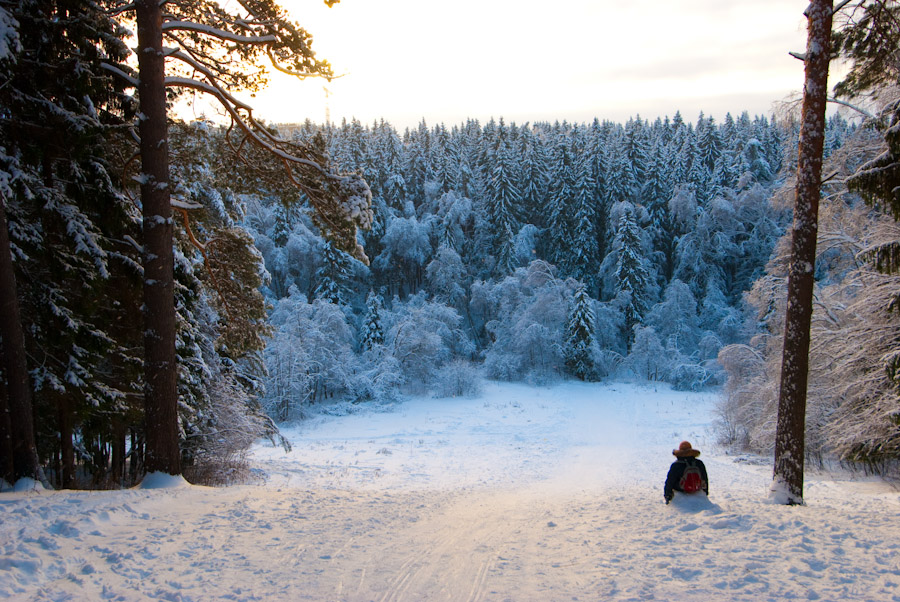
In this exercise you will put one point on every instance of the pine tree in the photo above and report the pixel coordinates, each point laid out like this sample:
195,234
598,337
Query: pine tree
790,436
558,216
656,197
636,151
580,336
620,179
18,450
372,334
756,159
334,276
535,178
224,48
417,169
503,199
869,44
709,145
632,277
585,249
60,107
442,159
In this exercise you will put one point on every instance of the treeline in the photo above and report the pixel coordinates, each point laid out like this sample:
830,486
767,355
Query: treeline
533,252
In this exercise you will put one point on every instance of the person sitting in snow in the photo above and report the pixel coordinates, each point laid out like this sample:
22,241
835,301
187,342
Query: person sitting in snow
687,474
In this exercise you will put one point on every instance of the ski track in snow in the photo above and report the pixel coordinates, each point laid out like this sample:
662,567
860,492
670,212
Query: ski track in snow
521,494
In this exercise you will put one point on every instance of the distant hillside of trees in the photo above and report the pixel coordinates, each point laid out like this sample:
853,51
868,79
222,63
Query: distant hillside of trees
534,252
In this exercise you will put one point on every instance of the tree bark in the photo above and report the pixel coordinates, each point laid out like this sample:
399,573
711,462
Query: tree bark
22,448
66,446
787,487
117,462
6,463
160,369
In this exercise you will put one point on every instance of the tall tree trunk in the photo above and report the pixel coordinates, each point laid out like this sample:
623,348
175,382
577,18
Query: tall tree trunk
135,457
161,399
790,435
6,462
117,463
66,448
12,354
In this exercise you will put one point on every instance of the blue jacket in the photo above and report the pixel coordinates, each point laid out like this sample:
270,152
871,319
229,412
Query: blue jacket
675,473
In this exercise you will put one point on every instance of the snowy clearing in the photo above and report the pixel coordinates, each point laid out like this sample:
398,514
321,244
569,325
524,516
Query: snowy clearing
521,494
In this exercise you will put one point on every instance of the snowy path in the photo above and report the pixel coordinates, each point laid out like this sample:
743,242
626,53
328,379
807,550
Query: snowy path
524,494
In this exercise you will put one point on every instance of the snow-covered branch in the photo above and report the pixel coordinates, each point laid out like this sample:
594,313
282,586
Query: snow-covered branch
179,204
170,26
849,105
232,105
119,73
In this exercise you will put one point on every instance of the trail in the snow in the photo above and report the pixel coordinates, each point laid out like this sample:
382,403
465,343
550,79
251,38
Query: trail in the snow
523,494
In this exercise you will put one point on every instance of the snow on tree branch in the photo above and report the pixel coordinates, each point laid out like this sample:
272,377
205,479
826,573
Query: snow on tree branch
133,81
221,34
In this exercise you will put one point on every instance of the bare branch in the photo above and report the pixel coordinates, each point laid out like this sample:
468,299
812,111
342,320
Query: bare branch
232,105
859,110
840,6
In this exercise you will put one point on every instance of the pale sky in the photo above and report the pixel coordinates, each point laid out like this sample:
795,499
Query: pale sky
526,61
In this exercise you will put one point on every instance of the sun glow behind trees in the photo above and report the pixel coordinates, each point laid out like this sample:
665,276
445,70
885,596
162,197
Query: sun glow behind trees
403,60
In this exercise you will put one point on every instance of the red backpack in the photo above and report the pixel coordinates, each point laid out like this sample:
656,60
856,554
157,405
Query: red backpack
691,480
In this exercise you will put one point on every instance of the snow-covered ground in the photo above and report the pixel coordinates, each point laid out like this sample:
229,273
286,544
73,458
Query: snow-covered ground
521,494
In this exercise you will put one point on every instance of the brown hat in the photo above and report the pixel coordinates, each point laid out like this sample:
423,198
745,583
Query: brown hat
685,451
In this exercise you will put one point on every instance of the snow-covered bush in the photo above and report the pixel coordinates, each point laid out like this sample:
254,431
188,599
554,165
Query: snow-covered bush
458,378
527,314
689,376
648,358
310,356
380,380
423,336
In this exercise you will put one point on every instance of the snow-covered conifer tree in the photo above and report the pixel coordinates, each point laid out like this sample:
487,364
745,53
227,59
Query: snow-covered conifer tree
756,159
709,145
584,238
580,336
535,178
503,199
372,331
620,178
636,152
334,275
68,226
559,206
633,280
